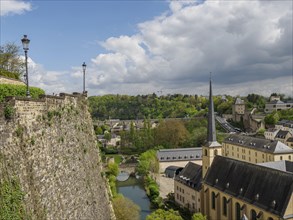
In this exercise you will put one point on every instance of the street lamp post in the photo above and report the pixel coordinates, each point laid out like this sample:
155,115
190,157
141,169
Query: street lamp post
25,42
83,68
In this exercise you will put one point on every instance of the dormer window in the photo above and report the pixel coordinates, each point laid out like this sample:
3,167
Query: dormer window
241,191
273,204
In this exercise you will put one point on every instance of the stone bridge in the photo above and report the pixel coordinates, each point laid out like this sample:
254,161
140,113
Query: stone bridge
129,168
126,170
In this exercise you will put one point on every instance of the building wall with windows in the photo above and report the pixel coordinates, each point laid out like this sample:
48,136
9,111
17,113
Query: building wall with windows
187,197
178,157
255,150
187,187
238,109
225,207
289,142
253,156
208,155
277,106
271,133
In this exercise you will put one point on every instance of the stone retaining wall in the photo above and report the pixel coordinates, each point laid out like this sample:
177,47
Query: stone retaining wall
50,145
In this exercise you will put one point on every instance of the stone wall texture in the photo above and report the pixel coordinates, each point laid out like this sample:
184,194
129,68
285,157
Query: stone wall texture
5,80
50,146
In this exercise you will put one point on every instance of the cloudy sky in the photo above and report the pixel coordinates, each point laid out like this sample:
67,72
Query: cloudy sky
141,47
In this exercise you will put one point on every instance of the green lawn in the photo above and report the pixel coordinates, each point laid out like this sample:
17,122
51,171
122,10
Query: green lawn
117,157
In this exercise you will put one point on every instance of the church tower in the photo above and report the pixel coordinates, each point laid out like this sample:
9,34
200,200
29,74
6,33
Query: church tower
212,147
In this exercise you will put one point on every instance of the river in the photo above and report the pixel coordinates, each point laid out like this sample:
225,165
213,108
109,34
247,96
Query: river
133,189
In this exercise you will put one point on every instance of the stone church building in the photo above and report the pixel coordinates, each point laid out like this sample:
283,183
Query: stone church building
249,182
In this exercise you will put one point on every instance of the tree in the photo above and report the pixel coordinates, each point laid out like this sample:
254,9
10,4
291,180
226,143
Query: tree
198,216
261,132
225,108
98,130
171,134
161,214
148,163
107,136
271,119
113,169
11,64
125,209
256,100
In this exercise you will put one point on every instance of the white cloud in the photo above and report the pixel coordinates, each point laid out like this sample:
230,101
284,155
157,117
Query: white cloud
51,81
246,44
9,7
242,42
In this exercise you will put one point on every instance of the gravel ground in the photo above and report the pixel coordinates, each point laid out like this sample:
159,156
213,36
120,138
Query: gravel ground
166,185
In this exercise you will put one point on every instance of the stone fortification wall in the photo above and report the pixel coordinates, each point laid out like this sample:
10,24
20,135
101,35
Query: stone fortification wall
49,145
6,80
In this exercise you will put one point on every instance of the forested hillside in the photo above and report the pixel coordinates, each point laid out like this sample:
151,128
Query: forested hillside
152,106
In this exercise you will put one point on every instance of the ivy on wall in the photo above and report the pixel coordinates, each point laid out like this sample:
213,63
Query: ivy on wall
11,200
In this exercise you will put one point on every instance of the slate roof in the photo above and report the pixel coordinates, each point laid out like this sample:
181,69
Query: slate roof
272,130
211,131
266,188
283,165
173,168
282,134
290,139
179,154
265,145
276,102
191,176
286,123
239,101
171,171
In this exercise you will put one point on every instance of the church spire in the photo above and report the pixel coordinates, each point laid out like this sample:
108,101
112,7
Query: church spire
212,148
211,117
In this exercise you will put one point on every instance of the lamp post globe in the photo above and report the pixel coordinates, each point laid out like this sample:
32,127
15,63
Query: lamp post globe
83,68
25,43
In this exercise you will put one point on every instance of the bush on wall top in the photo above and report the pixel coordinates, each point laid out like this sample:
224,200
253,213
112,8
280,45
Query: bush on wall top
18,90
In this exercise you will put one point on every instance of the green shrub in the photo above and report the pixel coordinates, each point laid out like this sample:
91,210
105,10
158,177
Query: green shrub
19,131
12,200
153,192
112,184
50,115
9,112
33,141
18,90
8,74
113,169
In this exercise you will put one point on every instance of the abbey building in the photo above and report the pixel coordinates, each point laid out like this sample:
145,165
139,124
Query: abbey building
245,178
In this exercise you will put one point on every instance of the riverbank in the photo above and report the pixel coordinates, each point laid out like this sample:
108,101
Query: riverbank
133,189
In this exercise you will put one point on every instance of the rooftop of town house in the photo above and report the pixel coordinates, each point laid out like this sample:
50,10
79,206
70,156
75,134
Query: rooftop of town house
260,144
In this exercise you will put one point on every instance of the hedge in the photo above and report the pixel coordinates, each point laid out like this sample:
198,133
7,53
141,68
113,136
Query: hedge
18,90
